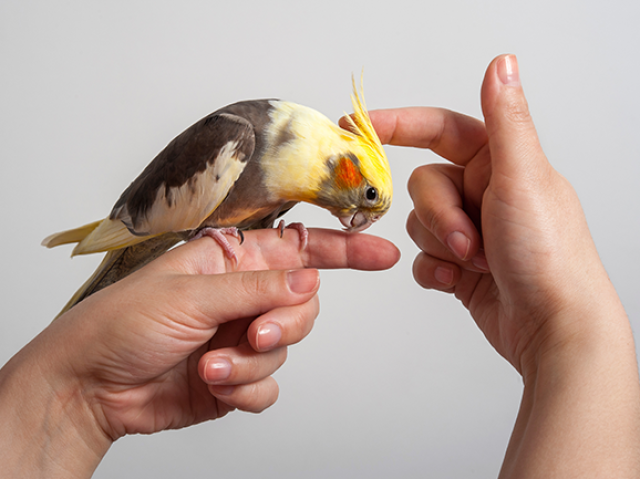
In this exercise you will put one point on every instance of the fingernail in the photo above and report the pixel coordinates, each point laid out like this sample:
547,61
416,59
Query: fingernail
269,335
480,261
444,275
459,244
508,70
216,370
303,280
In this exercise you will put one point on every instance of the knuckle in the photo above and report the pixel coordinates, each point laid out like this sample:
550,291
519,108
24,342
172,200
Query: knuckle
437,219
417,178
305,316
517,112
259,396
256,284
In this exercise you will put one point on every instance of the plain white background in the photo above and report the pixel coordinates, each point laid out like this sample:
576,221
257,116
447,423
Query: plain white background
394,381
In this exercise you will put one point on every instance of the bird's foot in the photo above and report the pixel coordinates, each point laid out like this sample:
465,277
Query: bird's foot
218,234
300,228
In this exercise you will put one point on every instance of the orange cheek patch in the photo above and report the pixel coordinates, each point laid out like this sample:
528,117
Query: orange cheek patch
347,174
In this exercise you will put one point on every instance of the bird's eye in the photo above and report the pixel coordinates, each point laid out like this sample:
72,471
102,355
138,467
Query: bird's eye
371,193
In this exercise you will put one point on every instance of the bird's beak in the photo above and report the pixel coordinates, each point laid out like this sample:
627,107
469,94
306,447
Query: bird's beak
359,221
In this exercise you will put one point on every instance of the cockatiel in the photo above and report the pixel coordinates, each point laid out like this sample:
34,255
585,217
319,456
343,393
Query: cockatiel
241,167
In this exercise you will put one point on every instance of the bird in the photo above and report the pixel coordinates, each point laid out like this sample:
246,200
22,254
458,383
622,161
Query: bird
239,168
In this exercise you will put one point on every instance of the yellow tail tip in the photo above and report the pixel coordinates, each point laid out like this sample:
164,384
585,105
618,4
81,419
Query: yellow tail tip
69,236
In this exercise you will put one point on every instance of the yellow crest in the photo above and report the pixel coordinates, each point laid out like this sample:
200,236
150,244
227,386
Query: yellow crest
360,125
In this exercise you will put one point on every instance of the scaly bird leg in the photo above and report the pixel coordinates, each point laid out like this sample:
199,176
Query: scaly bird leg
302,231
218,234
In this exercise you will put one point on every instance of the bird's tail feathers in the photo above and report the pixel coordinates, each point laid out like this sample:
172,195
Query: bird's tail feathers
109,235
121,262
90,284
103,235
70,236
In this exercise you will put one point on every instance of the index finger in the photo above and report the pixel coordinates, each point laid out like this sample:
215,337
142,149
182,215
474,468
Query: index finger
265,249
452,135
332,249
326,249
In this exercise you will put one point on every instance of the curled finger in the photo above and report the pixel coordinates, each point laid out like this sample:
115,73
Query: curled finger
433,273
283,326
239,365
432,246
436,191
253,397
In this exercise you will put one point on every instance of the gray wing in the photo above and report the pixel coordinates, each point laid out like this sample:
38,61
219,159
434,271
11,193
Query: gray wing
187,181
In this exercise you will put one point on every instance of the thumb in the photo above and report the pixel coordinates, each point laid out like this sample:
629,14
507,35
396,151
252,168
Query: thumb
227,297
513,141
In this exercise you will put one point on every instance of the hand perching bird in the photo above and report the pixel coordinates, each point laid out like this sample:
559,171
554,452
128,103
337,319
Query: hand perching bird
242,167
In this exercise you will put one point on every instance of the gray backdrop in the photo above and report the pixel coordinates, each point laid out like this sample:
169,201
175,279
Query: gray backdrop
394,381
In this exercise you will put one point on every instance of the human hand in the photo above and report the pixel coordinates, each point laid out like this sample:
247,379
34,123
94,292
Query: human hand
187,338
500,228
504,232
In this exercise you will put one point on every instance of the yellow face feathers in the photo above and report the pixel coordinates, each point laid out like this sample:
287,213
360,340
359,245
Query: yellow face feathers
309,158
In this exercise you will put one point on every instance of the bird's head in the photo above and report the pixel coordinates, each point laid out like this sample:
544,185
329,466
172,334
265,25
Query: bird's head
358,189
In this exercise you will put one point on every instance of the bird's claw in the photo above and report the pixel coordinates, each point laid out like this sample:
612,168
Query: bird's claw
218,234
300,228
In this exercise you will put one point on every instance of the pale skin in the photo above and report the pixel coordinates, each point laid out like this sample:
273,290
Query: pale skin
516,252
186,339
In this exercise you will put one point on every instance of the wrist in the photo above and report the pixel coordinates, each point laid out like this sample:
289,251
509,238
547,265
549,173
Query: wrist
580,412
589,321
593,355
47,428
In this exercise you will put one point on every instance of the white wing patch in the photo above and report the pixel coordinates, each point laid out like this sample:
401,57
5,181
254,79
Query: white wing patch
187,206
